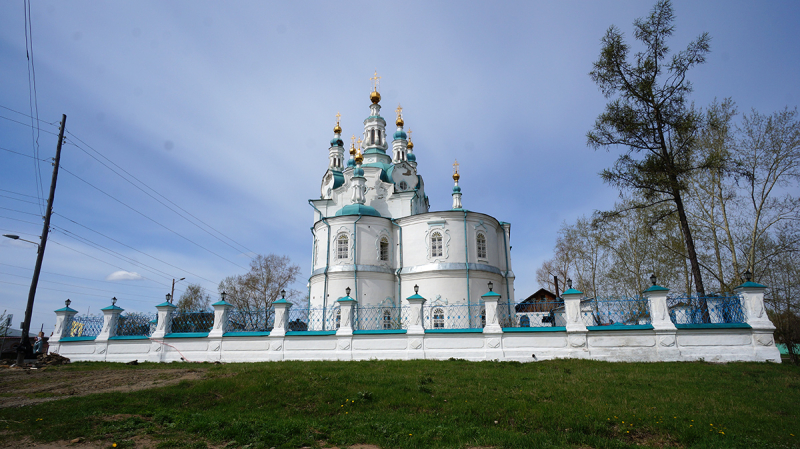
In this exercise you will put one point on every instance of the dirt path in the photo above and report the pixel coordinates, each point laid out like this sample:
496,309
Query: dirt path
19,387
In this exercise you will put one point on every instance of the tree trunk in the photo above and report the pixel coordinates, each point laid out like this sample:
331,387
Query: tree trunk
690,249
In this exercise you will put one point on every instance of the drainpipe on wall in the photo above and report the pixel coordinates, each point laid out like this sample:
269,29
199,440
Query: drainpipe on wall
355,256
397,273
327,262
505,247
466,260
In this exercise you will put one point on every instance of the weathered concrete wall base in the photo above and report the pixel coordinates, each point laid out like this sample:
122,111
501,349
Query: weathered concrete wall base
713,345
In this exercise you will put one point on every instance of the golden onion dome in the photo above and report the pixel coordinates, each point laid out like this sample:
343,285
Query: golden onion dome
410,145
352,150
337,129
375,97
359,158
399,121
456,176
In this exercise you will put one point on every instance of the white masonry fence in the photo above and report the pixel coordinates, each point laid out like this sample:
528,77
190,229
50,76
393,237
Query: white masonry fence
651,327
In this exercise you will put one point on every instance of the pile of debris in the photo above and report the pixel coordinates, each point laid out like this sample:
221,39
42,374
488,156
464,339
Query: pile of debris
51,359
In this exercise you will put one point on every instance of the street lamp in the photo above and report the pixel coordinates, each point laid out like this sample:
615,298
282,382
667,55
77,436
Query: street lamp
172,293
24,342
491,285
169,298
653,279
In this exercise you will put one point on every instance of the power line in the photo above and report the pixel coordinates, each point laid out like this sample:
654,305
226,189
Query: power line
103,261
17,219
160,195
154,221
82,278
111,252
17,193
130,247
29,116
21,154
67,291
19,211
18,199
78,286
28,125
33,100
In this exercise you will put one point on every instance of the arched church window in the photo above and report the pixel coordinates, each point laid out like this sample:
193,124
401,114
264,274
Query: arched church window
403,185
481,245
524,321
341,246
436,244
387,319
438,318
384,248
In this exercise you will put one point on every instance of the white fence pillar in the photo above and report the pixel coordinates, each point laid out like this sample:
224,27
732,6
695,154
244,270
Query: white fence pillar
221,314
577,334
752,295
493,333
110,320
666,332
164,319
416,327
63,318
281,307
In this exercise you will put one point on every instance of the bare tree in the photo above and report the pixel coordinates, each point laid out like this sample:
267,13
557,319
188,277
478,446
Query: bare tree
194,299
254,292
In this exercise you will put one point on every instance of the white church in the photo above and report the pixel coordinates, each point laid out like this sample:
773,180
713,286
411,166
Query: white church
374,231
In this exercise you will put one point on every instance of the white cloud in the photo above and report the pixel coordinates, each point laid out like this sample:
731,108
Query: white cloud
124,276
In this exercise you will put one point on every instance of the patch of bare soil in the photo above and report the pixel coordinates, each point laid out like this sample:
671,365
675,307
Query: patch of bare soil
20,387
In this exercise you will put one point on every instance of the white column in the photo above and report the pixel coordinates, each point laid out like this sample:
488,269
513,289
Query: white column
282,307
344,335
110,320
657,302
164,325
416,328
63,317
764,348
666,333
493,333
577,334
221,312
346,305
490,301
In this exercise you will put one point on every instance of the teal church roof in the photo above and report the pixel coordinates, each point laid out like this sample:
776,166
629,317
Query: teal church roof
411,157
338,179
400,135
358,209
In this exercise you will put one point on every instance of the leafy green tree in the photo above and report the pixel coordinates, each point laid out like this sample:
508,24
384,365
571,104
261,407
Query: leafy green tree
650,119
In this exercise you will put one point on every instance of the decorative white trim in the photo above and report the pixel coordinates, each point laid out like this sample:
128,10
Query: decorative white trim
440,226
383,234
351,246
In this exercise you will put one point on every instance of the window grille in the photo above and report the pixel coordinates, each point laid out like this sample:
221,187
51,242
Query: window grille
384,248
387,319
403,185
481,243
436,244
338,318
341,246
438,318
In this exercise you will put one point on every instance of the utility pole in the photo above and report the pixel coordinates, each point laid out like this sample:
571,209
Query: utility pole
172,294
25,343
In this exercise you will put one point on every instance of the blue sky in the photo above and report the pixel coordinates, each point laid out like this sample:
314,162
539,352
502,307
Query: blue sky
226,109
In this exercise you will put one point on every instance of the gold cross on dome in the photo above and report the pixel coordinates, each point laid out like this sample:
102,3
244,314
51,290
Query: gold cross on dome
455,167
338,115
409,134
359,143
399,111
376,81
353,145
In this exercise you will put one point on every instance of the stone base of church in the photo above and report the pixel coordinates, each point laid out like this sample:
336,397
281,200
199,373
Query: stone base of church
523,345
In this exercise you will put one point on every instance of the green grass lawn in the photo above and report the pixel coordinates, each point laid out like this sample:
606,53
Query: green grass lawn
564,403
